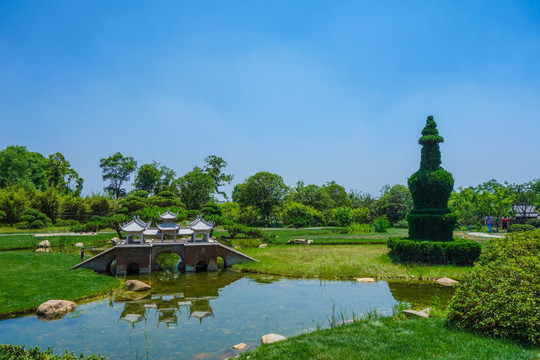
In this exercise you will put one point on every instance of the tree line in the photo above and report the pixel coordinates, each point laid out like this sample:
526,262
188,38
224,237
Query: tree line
38,191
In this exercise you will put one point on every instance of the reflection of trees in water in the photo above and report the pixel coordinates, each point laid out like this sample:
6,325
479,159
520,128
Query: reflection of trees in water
196,291
421,294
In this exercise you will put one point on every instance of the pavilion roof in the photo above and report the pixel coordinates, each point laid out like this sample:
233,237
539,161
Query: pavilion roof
135,225
201,225
168,226
168,215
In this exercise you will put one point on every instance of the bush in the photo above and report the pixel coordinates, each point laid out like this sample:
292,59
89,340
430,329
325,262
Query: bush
359,228
402,224
69,222
520,227
33,219
19,352
499,297
297,215
380,224
361,215
534,222
475,227
458,252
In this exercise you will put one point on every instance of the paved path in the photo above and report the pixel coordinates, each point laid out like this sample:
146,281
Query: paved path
485,235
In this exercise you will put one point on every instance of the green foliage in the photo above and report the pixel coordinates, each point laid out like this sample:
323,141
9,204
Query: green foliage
402,224
153,178
459,252
214,167
297,215
520,227
342,216
431,224
210,209
48,202
13,201
395,202
33,219
500,296
533,222
311,195
361,215
19,352
337,195
355,228
195,188
264,191
22,168
117,169
380,224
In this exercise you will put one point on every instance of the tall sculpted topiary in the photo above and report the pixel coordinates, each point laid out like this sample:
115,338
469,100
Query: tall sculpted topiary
430,187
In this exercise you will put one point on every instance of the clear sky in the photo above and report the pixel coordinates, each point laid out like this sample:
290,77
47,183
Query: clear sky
312,90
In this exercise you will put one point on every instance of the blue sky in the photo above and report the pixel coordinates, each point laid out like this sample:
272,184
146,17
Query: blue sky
311,90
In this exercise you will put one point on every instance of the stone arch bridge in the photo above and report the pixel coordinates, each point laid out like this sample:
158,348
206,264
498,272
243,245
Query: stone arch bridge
143,257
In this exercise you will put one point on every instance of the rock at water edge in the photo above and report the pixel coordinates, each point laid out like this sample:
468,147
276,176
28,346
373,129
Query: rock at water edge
446,281
55,309
136,285
414,313
240,346
272,338
365,280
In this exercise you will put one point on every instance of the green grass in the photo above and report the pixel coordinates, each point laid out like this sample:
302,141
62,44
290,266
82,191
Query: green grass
26,241
391,339
14,230
341,262
28,279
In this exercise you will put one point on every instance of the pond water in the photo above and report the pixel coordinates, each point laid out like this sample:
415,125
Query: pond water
201,316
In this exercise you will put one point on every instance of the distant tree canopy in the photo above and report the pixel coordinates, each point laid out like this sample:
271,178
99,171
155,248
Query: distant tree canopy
195,188
154,178
117,169
214,167
30,170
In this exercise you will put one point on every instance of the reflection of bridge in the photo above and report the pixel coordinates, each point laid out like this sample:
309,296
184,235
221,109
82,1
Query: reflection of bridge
141,258
195,300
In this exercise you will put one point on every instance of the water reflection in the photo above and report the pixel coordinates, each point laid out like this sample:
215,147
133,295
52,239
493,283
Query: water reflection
223,309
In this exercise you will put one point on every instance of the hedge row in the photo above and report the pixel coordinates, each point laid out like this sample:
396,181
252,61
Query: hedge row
457,252
12,352
520,228
235,229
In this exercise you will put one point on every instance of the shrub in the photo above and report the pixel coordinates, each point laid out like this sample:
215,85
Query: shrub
343,216
534,222
296,214
499,297
19,352
520,228
402,224
33,219
210,209
69,222
380,224
361,215
234,229
458,252
359,228
475,227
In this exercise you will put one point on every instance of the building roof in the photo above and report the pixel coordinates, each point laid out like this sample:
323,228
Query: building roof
135,225
168,215
168,226
201,225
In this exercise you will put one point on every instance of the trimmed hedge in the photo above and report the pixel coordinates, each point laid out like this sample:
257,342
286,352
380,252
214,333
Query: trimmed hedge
534,222
500,296
520,227
11,352
458,252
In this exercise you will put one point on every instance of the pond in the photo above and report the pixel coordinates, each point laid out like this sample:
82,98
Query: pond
202,315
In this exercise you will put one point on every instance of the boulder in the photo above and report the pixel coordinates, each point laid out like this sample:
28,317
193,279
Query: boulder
263,246
240,346
79,245
309,242
272,338
114,241
45,250
54,309
414,313
44,243
426,311
365,280
446,281
136,285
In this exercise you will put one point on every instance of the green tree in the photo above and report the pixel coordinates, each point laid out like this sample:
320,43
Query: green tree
13,201
311,195
22,168
214,167
153,178
395,203
264,191
117,170
465,204
61,176
495,199
48,202
195,188
337,194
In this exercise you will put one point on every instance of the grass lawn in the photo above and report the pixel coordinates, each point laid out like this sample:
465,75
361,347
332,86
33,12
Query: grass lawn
341,262
387,338
28,241
28,279
14,230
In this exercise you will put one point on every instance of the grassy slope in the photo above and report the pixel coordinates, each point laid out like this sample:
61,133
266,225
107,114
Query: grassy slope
25,241
340,262
392,339
28,279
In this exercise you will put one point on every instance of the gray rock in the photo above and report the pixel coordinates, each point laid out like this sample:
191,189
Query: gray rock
365,280
240,346
263,246
114,241
45,250
55,309
272,338
136,285
79,245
